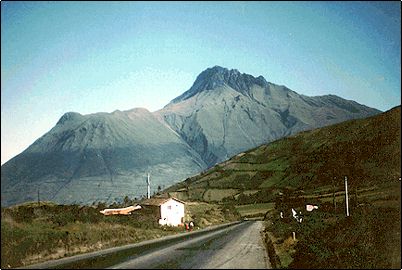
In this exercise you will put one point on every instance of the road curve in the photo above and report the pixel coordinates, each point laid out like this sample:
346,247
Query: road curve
236,247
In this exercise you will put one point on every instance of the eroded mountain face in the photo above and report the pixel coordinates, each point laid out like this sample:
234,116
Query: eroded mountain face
106,156
99,157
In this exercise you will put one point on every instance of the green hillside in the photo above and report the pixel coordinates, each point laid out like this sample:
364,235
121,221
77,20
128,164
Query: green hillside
367,151
310,167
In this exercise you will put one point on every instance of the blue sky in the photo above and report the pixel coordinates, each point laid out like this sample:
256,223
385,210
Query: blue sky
92,57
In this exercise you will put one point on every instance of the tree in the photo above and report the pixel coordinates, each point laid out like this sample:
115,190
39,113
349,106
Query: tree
126,201
159,190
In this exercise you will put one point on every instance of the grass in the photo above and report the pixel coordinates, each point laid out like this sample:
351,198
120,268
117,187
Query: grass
275,179
214,195
252,210
284,248
206,214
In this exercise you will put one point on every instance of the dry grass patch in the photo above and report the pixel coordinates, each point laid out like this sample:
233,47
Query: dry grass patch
256,209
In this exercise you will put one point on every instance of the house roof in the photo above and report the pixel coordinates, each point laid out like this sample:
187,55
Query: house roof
159,201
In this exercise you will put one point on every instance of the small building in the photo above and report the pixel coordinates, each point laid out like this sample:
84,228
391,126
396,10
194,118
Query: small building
168,211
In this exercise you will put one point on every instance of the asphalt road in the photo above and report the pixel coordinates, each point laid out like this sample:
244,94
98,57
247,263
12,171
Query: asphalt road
230,245
236,247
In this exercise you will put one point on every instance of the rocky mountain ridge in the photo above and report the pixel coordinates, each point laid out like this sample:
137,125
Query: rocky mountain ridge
106,156
226,112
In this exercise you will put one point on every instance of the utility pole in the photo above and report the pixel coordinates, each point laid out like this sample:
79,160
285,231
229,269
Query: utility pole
346,196
38,197
333,192
148,188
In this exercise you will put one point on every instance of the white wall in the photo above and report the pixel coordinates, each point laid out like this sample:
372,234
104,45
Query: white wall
172,213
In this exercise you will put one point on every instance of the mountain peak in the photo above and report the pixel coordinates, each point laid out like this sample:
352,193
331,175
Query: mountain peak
218,76
220,70
69,116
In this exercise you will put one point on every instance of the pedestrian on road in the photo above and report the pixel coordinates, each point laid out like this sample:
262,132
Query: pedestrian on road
191,225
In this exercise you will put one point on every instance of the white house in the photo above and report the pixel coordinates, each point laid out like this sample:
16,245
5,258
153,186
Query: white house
170,211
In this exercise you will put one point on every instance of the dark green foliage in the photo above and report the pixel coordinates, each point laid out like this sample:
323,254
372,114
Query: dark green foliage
59,215
288,200
260,177
273,257
261,196
230,212
241,181
367,239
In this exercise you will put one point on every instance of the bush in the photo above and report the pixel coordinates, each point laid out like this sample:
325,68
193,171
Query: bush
366,239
